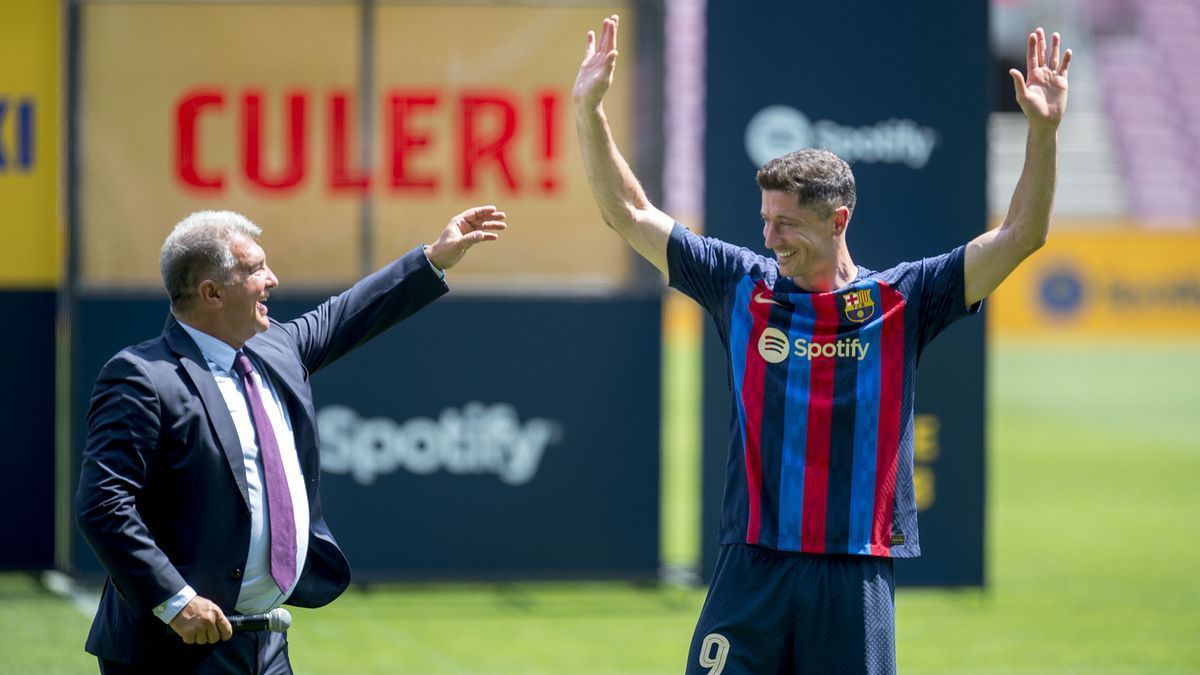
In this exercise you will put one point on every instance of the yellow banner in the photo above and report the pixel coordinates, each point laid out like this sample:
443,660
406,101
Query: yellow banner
1130,283
29,47
257,108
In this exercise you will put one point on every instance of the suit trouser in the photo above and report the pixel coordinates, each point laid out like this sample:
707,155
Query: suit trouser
258,652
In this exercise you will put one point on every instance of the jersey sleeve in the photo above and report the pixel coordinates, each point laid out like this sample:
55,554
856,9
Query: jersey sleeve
704,268
941,293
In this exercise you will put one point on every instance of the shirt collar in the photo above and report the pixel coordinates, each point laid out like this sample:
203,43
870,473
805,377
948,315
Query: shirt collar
215,351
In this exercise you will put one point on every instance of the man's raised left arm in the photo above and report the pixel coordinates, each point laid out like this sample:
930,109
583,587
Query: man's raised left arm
1042,94
391,294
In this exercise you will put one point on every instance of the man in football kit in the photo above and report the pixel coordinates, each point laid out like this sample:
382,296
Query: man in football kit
822,355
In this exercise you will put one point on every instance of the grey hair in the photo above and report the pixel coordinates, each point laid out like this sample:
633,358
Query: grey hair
819,178
198,249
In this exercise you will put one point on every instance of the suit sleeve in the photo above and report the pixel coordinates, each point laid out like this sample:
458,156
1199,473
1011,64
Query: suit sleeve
370,307
123,431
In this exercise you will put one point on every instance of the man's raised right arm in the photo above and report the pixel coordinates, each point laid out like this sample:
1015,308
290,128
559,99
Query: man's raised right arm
622,201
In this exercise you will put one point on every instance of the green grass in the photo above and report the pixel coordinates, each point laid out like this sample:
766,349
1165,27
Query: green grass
40,633
1094,556
1094,520
542,629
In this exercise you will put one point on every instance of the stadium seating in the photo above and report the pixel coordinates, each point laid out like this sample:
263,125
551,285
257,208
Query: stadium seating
1146,55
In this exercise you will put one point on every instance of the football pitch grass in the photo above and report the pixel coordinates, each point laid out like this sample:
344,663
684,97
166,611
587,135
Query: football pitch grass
1093,555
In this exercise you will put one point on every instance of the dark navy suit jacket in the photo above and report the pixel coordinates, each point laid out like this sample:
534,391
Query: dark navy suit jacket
162,494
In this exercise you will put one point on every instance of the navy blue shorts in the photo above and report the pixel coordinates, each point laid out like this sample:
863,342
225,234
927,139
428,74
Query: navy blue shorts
770,612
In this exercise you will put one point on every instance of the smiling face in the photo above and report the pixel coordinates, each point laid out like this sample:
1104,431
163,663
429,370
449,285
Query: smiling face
803,240
243,311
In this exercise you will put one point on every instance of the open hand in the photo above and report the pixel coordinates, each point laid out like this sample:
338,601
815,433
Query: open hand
1042,92
599,62
468,228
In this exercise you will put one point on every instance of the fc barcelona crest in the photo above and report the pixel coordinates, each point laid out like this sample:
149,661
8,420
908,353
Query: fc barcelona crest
859,305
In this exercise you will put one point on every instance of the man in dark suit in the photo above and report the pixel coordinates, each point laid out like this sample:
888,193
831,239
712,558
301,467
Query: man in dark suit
198,487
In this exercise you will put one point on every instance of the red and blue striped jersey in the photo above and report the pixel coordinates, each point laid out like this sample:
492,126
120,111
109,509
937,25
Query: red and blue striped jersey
822,384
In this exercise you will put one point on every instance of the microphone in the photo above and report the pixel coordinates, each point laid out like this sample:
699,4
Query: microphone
277,620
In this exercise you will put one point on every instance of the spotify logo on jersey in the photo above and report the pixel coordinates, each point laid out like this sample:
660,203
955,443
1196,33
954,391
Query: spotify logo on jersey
773,345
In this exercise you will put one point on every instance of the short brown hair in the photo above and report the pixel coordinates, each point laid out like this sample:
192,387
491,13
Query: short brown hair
819,178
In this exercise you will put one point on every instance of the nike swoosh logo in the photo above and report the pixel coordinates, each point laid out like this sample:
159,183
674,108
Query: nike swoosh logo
758,297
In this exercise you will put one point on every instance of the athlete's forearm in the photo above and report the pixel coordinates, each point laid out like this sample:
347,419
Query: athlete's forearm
1029,211
622,201
614,186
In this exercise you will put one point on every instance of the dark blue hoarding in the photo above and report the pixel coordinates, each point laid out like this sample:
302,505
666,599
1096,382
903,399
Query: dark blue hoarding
27,399
901,92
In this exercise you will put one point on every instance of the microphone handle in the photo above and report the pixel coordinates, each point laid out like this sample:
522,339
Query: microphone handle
249,622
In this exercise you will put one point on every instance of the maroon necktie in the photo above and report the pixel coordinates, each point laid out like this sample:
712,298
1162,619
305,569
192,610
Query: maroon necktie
279,498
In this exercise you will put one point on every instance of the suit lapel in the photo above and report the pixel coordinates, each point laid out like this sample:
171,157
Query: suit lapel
214,403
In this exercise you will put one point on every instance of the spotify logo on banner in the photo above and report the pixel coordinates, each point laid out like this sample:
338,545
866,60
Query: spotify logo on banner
779,129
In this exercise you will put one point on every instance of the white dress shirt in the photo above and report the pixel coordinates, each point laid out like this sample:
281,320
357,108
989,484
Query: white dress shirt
259,592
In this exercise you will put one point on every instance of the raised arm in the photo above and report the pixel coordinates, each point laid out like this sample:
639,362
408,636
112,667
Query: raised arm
1042,95
623,203
389,295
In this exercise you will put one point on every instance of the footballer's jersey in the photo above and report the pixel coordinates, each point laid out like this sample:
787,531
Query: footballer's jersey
821,426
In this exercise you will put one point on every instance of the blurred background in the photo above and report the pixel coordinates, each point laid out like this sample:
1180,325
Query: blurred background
546,502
